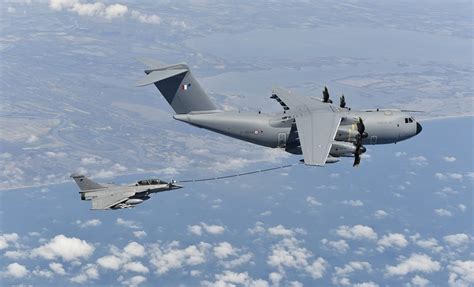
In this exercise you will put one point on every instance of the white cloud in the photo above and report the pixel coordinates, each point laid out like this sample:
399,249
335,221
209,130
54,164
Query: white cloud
6,239
448,175
134,249
430,243
137,267
88,272
195,229
415,263
449,158
357,232
67,248
341,274
139,234
311,200
366,284
110,262
42,273
400,153
461,273
379,214
288,254
146,19
115,11
396,240
280,230
89,223
171,257
229,278
223,250
16,270
127,223
462,207
257,229
443,212
134,281
57,268
419,160
340,246
275,278
419,281
354,203
90,9
213,229
457,240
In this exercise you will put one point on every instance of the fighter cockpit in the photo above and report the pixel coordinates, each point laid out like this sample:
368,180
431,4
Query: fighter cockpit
150,182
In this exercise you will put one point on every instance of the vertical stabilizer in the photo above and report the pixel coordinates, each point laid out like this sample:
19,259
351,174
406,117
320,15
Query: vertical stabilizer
180,89
86,184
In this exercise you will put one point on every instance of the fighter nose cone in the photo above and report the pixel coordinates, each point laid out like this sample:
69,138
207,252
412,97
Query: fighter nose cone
418,128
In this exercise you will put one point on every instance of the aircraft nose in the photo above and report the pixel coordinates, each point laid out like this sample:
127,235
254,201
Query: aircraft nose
418,128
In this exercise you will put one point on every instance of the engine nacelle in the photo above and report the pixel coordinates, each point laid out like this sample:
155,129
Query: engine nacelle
347,134
344,149
331,159
134,201
345,121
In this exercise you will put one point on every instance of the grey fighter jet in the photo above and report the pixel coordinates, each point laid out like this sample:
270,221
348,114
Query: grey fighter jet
320,130
111,196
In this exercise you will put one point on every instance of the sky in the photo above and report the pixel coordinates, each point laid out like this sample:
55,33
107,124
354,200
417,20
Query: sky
69,104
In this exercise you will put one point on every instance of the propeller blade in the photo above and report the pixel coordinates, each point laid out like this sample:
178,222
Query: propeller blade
361,126
342,101
326,95
356,160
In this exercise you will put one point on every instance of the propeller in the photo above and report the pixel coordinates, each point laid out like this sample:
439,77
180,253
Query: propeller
326,95
359,148
342,101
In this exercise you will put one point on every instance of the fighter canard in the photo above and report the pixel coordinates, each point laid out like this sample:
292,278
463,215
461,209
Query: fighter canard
320,130
111,196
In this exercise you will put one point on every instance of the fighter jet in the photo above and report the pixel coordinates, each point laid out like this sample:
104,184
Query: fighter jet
111,196
321,131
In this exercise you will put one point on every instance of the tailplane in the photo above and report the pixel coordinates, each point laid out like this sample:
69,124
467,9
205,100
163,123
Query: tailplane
86,184
177,84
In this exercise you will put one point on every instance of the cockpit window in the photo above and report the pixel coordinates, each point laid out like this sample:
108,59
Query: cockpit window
406,120
149,182
410,120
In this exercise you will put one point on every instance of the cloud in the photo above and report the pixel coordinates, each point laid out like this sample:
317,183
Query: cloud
379,214
223,250
134,249
171,257
357,232
213,229
127,223
312,201
354,203
395,240
137,267
419,281
90,9
88,272
430,243
110,262
448,175
275,278
16,270
67,248
146,19
461,273
134,281
288,254
415,263
340,246
443,212
195,229
6,239
139,234
419,160
57,268
280,230
230,278
341,274
449,158
462,207
89,223
457,240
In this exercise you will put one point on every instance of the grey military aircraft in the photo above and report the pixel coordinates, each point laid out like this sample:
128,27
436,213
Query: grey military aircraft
320,130
111,196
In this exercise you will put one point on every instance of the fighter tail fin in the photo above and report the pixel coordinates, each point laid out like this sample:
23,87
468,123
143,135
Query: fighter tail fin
86,184
177,84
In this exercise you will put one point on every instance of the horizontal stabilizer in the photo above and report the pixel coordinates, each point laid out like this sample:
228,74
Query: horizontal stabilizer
159,75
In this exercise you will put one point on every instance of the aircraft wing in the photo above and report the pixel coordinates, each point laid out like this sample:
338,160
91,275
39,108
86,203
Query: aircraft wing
316,131
294,102
109,200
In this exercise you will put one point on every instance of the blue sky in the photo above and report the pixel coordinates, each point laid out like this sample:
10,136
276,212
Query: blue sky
69,104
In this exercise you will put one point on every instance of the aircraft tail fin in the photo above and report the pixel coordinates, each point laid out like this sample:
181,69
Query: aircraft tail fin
86,184
177,84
